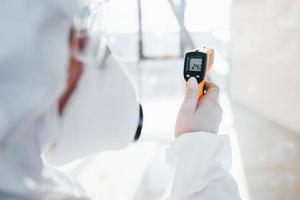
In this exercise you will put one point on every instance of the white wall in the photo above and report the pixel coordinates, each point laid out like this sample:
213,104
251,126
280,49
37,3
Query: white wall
266,59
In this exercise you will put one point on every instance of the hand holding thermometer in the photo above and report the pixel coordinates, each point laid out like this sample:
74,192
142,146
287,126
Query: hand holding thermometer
196,64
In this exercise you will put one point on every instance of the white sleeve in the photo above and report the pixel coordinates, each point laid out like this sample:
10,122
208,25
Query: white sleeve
200,162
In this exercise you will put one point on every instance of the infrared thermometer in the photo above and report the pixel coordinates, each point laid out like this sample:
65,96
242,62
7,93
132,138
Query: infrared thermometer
196,64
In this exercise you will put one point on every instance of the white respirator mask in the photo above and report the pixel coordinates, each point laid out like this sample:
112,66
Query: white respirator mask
103,112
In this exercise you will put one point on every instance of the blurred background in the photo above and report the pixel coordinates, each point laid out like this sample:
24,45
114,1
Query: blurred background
257,66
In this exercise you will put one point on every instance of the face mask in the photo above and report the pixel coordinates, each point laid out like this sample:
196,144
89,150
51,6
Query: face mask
102,114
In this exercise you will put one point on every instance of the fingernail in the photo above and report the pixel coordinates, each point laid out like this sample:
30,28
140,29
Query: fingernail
192,83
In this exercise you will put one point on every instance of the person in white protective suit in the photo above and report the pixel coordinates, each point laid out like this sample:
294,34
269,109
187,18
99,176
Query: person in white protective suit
47,118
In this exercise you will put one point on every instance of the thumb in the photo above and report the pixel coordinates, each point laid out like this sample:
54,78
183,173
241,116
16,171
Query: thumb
191,94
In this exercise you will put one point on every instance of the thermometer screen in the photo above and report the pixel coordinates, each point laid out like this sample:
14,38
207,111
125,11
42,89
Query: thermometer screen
195,64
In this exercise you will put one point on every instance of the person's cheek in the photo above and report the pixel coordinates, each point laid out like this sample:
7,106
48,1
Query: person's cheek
74,73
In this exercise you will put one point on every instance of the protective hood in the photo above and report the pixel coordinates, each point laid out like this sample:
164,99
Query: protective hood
33,64
33,59
102,114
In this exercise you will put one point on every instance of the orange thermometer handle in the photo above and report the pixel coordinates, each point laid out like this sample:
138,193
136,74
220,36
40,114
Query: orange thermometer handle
201,88
210,61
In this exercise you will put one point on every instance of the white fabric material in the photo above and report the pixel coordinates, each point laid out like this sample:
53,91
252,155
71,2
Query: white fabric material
23,174
200,162
102,114
33,57
33,63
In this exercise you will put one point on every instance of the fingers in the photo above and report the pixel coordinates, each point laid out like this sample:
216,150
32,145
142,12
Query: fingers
191,95
212,90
